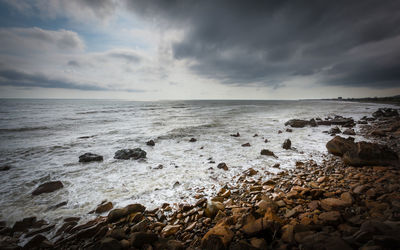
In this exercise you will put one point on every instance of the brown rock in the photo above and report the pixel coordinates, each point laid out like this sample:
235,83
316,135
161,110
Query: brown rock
250,172
118,213
104,207
268,153
370,154
35,242
109,244
333,204
332,217
139,239
287,144
346,197
170,230
246,145
288,233
339,145
212,209
218,237
223,166
48,187
258,243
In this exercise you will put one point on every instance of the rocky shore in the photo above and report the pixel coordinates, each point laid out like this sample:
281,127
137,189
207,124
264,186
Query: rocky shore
350,201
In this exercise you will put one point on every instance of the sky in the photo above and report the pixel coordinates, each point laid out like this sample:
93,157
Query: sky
209,49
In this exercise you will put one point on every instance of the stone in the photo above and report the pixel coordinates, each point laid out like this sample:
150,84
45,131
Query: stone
349,131
250,172
48,187
139,239
267,153
116,214
287,144
104,208
246,145
370,154
193,140
24,225
333,204
288,233
150,143
339,145
89,157
126,154
330,217
297,123
258,243
109,244
235,135
223,166
5,168
212,209
35,242
218,237
170,230
334,131
347,197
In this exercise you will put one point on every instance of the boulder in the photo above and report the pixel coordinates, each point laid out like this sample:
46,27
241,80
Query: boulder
268,153
126,154
349,131
339,145
334,131
287,144
218,237
116,214
109,244
170,230
297,123
385,112
139,239
48,187
212,208
89,157
104,207
370,154
150,143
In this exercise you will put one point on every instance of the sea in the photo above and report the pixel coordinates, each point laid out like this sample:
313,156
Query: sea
42,139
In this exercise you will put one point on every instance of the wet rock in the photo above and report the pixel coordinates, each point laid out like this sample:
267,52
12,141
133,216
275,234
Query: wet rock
104,208
250,172
333,204
223,166
258,243
150,143
170,230
339,145
297,123
349,131
89,157
287,144
246,145
370,154
24,225
288,233
118,213
159,167
212,209
5,168
109,244
235,135
330,217
324,241
334,131
193,140
35,242
126,154
218,237
385,112
289,130
139,239
48,187
42,230
268,153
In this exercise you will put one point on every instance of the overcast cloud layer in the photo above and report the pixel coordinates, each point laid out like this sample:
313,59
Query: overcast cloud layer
184,48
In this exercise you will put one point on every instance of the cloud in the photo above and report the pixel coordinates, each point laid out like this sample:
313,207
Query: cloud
11,77
34,40
269,42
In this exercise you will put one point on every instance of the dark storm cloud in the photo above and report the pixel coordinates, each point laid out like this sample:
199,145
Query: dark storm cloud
11,77
267,42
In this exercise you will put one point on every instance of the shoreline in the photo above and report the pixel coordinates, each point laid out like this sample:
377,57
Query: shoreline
310,206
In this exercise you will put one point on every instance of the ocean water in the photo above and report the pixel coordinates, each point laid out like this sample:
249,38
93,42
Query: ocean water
40,140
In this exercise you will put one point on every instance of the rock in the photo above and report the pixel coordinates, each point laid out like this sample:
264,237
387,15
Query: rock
22,226
339,145
160,166
170,230
297,123
268,153
258,243
150,143
346,197
42,230
246,145
5,168
218,237
334,131
330,217
193,140
289,130
250,172
48,187
223,166
89,157
212,209
385,112
370,154
109,244
333,204
349,131
235,135
139,239
288,233
104,208
255,226
287,144
126,154
35,242
324,241
116,214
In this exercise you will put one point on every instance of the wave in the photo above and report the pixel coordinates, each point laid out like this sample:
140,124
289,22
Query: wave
187,131
23,129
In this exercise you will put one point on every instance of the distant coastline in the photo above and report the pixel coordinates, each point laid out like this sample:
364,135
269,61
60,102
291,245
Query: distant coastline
395,100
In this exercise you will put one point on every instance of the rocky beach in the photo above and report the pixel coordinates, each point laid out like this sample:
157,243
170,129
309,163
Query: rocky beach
349,200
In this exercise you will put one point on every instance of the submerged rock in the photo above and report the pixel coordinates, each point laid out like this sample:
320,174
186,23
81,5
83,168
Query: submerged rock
5,168
126,154
287,144
246,145
48,187
150,143
89,157
192,140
